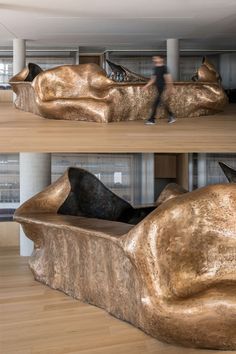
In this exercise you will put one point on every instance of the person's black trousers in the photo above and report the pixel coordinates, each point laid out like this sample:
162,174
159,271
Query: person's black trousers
159,101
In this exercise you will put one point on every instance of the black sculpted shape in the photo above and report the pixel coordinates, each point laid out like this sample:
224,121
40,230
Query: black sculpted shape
34,70
229,172
116,69
121,73
90,198
231,93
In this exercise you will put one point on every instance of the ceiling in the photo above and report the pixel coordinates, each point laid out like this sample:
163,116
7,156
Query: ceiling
123,24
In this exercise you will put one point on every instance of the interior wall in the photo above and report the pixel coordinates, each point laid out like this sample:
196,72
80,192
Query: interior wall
182,170
87,59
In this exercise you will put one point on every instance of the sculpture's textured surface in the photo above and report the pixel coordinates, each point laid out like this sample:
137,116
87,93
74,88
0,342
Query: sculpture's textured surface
207,73
84,92
172,190
172,274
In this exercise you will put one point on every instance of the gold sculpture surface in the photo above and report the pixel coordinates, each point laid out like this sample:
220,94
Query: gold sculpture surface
84,92
172,274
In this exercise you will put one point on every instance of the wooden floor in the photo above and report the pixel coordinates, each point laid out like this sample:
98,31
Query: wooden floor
25,132
35,319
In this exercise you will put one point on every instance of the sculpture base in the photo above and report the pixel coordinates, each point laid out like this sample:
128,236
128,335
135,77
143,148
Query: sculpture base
169,270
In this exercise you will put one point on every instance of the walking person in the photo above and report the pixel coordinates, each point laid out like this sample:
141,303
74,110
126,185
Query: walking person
163,82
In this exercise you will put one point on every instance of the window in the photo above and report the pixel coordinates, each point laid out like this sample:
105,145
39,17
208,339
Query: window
119,172
206,169
6,71
9,180
6,65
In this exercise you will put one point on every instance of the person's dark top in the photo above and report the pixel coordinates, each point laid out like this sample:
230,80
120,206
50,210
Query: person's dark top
159,72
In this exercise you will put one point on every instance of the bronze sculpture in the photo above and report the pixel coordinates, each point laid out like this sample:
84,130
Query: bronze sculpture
170,271
207,73
84,92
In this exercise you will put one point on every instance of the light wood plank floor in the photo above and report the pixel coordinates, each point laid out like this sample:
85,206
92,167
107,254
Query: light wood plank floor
25,132
35,319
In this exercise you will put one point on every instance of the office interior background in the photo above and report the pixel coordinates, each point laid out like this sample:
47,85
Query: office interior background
139,61
138,178
36,319
63,36
123,173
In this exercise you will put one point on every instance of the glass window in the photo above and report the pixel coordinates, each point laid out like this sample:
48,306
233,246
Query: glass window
119,172
9,180
6,71
114,170
207,171
6,66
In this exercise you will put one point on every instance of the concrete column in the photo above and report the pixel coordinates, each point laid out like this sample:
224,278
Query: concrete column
147,178
106,67
77,57
172,46
35,175
19,54
201,170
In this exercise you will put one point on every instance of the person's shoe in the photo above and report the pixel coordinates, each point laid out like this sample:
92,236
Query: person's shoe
150,121
171,119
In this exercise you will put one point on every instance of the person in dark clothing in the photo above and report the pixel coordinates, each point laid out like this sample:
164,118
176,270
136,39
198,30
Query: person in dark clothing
163,82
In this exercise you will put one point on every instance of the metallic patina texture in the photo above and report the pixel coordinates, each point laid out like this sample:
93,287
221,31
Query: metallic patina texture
173,274
206,73
84,92
172,190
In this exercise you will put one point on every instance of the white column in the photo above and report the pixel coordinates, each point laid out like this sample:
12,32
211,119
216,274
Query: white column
172,46
106,66
18,55
35,175
147,179
77,57
201,170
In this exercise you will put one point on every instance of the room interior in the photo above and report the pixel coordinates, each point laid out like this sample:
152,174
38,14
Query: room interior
134,161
